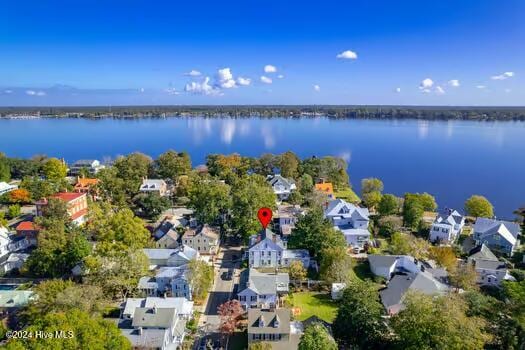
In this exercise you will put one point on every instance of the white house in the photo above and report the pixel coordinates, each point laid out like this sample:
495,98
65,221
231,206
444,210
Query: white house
489,269
154,327
183,306
268,250
9,246
170,257
351,220
281,186
5,188
498,235
158,186
447,226
92,166
169,280
405,273
204,239
262,290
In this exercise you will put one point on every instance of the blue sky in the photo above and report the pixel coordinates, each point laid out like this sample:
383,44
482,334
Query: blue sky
89,52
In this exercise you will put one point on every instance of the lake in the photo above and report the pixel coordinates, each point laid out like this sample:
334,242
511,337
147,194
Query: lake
451,160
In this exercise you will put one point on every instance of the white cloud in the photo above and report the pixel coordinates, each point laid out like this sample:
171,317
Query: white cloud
280,76
439,90
172,91
193,73
225,78
270,69
266,80
480,86
346,155
426,83
35,93
141,90
503,76
244,81
508,90
453,82
398,90
8,91
347,55
317,88
203,88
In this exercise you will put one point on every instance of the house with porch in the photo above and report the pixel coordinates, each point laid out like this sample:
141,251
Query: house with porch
489,269
273,327
282,187
262,290
447,227
169,280
204,239
267,249
500,236
351,220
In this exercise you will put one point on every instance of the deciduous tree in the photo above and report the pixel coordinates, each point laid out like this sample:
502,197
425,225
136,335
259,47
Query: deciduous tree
200,277
229,313
479,206
317,337
389,205
210,199
55,170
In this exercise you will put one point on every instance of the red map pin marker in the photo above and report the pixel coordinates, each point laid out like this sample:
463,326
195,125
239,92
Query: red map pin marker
265,216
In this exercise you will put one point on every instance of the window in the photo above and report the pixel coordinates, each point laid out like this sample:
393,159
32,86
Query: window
253,298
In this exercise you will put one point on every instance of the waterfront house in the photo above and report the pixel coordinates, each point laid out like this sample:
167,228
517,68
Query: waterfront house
77,206
268,250
489,269
270,326
262,290
158,186
351,220
282,187
5,188
82,166
204,239
447,226
500,236
170,257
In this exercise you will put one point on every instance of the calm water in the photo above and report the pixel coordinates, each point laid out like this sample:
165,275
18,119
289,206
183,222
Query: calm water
451,160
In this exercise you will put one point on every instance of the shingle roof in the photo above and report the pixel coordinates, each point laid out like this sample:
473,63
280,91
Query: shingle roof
269,321
508,230
382,261
482,252
336,208
146,338
268,283
153,317
395,291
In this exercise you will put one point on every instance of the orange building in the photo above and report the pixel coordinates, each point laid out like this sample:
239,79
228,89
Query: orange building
28,230
86,185
77,206
326,188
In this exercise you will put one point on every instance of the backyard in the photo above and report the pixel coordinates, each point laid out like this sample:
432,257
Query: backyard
307,304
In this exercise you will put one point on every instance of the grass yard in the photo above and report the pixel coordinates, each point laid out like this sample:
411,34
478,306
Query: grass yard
311,303
348,195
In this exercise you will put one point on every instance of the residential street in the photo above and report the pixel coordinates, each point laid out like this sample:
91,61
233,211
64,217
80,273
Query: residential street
226,276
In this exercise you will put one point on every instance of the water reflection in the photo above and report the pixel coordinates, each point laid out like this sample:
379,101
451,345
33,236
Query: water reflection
422,129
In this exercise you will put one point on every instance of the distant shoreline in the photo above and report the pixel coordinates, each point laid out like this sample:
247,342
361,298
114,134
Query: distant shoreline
291,112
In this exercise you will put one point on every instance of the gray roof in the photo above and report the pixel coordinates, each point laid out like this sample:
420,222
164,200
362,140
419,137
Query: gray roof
482,252
183,251
273,322
449,216
275,178
295,254
172,272
84,162
336,208
153,317
147,283
489,226
145,338
380,261
265,283
395,291
490,264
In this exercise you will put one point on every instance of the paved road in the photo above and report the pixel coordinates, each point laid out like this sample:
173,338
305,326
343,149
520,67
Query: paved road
228,261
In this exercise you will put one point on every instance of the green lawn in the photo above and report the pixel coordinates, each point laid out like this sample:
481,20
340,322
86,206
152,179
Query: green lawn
348,195
311,303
